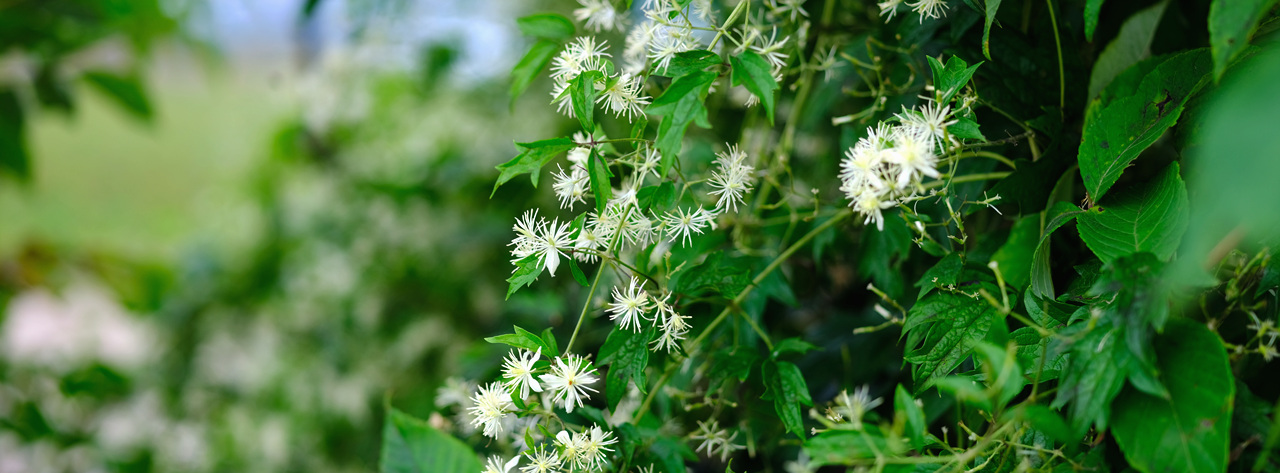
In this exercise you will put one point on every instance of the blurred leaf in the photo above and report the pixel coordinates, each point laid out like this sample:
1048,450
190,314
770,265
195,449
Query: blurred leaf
1133,44
1034,355
727,364
51,91
993,6
793,345
1091,10
917,427
671,453
1014,257
942,329
530,66
1231,25
726,277
844,447
410,445
1150,217
785,386
680,105
532,157
881,254
1134,110
14,158
752,71
126,91
582,90
1190,430
1041,418
549,26
948,80
527,271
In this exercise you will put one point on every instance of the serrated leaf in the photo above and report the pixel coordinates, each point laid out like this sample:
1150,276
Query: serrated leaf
1095,372
410,445
1191,430
680,105
945,273
582,92
726,277
1032,349
546,26
527,271
1133,44
1061,214
1231,26
530,66
1151,217
753,72
730,364
532,157
966,129
949,79
785,386
845,447
942,329
1015,256
1133,112
990,11
598,175
125,91
1091,10
627,354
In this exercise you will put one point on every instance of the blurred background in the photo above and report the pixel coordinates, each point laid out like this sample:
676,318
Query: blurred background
232,231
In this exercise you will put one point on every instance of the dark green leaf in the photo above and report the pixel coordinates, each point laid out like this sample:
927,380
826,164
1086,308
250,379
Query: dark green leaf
731,364
14,158
582,91
881,253
671,453
1034,355
532,157
546,26
1094,375
752,71
526,340
913,416
1189,431
410,445
126,91
527,271
657,198
1231,26
680,105
1041,418
943,274
689,62
1091,10
948,80
942,329
1151,217
577,272
1061,214
1014,257
627,354
530,66
598,173
966,129
793,345
1134,110
845,447
1133,44
726,277
992,7
785,386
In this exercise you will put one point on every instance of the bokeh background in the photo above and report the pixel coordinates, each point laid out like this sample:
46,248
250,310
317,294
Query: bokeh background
233,231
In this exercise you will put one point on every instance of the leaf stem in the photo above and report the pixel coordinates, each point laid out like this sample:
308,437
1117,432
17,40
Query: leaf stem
591,293
1057,41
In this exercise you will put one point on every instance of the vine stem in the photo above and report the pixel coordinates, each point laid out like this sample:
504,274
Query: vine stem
692,347
591,293
1062,81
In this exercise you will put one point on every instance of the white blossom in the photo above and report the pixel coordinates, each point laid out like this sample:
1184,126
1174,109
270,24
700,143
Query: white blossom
518,370
568,380
715,440
570,187
929,8
855,406
541,460
888,8
681,225
623,96
490,406
629,306
672,325
599,15
732,180
496,465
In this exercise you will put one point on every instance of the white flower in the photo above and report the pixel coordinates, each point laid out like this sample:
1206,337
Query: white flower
541,460
715,439
854,407
913,154
568,380
682,224
546,240
588,242
732,180
771,50
593,446
629,306
599,15
490,405
930,8
637,45
649,162
583,54
570,187
496,465
570,448
622,96
671,323
454,392
888,8
667,41
870,204
518,370
783,7
703,10
930,121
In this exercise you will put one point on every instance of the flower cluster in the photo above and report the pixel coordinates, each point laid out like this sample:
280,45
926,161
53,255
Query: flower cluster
931,9
886,167
633,306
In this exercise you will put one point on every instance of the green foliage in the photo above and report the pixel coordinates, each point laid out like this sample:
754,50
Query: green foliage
785,386
1133,44
840,447
627,354
582,91
680,104
527,340
950,78
943,328
1150,218
411,446
527,271
530,66
752,71
546,26
533,156
1231,26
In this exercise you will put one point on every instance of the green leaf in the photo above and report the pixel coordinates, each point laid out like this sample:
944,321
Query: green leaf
657,198
1041,418
1190,431
1091,10
627,354
14,157
793,345
530,66
1031,349
527,271
913,417
943,274
577,272
526,340
546,26
582,90
689,62
942,329
881,253
680,105
948,80
1151,217
532,157
726,277
1014,257
598,173
1061,214
966,129
992,7
752,71
1133,111
729,364
549,341
671,453
1231,26
1133,44
845,447
410,445
785,386
1096,370
126,91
